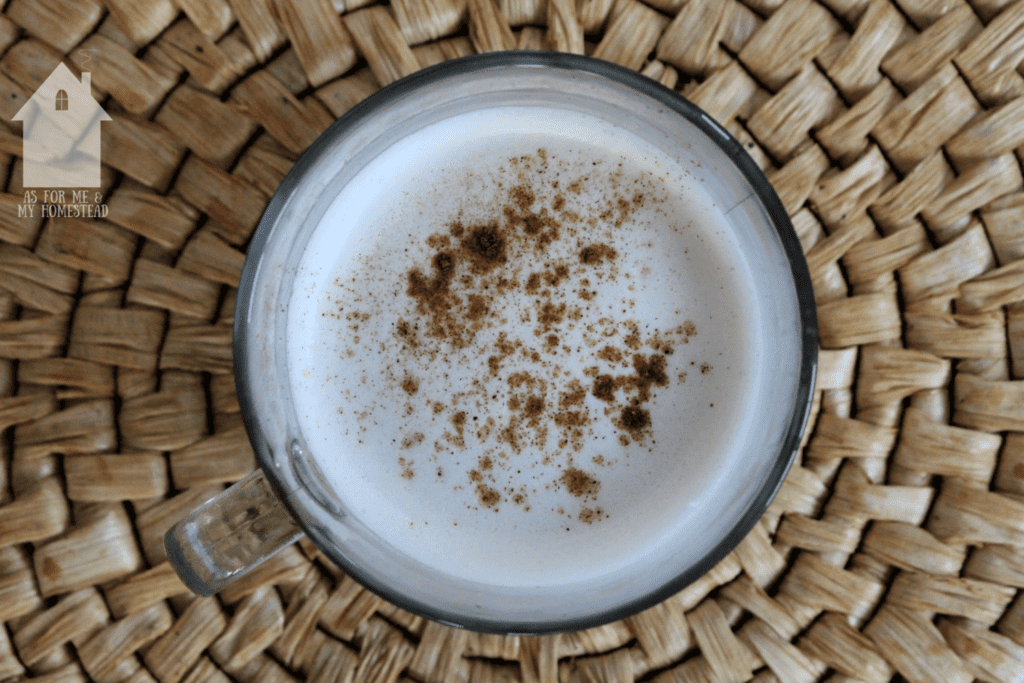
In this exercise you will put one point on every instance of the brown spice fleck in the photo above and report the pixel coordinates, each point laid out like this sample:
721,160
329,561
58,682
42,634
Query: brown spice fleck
412,440
534,406
579,483
477,307
604,388
533,283
574,396
407,333
432,292
505,346
533,224
518,379
610,354
407,471
554,277
551,315
488,496
650,370
635,419
410,385
439,242
571,418
523,197
596,254
486,246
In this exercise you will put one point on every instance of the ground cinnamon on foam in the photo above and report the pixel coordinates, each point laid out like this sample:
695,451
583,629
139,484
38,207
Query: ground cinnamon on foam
459,291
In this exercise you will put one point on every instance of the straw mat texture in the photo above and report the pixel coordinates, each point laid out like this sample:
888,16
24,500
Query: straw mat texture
893,130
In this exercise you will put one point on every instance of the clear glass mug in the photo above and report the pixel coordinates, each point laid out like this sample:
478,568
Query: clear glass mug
289,495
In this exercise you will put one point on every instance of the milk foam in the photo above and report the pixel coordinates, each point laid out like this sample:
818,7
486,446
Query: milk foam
540,481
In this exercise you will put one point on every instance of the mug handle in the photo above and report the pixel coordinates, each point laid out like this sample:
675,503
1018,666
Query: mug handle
229,535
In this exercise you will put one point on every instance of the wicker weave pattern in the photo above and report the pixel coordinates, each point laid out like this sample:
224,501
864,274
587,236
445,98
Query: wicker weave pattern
893,130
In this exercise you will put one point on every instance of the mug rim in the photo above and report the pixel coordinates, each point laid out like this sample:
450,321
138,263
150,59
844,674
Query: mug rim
677,104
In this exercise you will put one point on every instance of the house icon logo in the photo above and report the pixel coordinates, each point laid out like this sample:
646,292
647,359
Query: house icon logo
61,138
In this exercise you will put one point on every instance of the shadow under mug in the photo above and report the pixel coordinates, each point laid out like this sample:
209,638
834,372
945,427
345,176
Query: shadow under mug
289,495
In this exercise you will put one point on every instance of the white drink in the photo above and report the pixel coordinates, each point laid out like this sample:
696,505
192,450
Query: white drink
522,345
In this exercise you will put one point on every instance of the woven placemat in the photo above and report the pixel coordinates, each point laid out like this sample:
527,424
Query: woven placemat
893,130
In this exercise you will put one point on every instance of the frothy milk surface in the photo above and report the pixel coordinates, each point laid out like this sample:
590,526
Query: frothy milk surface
519,343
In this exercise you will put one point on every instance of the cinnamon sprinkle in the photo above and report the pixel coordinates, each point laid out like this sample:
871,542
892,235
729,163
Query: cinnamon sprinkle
548,392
